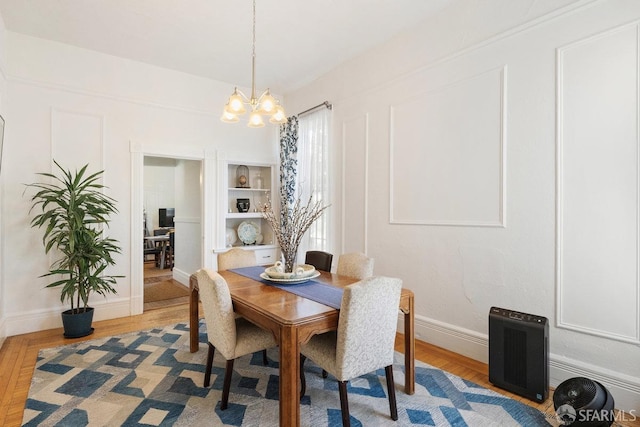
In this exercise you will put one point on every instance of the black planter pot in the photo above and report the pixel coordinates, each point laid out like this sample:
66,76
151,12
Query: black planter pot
77,325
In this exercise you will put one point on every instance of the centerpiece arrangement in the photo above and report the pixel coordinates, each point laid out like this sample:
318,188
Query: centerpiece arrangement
289,228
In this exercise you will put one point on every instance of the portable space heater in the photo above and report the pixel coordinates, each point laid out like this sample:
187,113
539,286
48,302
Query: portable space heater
519,353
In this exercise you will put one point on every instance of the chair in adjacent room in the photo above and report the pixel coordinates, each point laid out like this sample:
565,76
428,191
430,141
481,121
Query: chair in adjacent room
231,335
236,258
319,259
353,350
355,264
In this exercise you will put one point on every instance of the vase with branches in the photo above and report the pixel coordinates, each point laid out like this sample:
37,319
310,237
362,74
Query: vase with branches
289,228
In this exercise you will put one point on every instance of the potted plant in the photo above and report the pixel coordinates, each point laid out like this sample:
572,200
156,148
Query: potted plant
74,212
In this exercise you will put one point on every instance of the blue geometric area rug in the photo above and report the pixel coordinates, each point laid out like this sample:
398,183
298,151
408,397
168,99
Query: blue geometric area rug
150,378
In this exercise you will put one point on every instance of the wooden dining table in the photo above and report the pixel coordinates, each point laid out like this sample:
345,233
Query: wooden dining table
294,320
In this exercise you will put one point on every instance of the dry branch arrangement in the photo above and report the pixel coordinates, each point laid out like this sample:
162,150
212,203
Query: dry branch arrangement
290,228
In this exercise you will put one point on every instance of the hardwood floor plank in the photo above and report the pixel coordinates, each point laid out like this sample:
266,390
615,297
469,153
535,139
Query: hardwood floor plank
19,353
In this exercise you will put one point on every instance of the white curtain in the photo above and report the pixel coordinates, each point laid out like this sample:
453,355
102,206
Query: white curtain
313,173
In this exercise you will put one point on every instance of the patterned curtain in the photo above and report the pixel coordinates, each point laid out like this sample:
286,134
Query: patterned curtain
288,167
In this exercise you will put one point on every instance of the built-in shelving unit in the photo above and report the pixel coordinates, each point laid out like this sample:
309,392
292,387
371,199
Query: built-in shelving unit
257,188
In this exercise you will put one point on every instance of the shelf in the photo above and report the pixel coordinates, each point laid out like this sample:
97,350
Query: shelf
248,189
241,215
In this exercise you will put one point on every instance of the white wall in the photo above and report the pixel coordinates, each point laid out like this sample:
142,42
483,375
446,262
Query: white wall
3,109
453,165
115,106
188,221
159,188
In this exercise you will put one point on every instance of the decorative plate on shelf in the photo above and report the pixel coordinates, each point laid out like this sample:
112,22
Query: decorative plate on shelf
295,281
248,232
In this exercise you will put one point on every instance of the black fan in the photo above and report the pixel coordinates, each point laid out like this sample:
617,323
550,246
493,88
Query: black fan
581,402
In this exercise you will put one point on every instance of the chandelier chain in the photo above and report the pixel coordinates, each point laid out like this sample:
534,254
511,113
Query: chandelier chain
253,55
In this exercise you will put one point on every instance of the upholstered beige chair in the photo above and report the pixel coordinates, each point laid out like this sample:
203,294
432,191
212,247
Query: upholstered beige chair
355,264
232,336
236,258
364,341
319,259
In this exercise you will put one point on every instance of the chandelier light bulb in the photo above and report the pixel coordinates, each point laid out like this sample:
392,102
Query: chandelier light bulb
235,103
267,103
279,116
228,117
255,120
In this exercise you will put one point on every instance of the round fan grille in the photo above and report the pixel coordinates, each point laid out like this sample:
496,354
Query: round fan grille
578,392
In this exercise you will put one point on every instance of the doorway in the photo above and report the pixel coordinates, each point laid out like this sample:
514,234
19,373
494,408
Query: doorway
172,201
164,176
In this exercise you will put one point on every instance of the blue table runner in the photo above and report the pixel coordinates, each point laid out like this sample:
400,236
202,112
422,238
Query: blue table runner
313,289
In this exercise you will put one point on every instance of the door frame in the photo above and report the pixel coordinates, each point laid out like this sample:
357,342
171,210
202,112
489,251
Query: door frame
208,177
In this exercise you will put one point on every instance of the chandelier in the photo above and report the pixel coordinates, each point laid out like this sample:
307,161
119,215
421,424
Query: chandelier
264,105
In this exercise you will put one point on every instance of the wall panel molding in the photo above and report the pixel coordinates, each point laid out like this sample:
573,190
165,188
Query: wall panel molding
463,182
598,184
355,173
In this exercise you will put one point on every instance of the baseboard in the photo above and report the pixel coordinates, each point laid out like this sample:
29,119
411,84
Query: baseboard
624,388
181,276
40,320
3,330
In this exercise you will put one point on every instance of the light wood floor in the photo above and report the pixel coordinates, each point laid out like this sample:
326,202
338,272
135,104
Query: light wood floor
18,358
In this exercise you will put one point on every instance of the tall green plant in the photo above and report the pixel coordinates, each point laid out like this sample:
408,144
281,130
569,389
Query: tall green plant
73,213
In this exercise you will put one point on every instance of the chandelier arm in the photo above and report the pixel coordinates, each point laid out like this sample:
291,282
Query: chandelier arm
244,97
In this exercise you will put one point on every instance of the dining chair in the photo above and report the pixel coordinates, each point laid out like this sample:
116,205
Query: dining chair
353,349
232,336
236,258
170,250
319,259
355,264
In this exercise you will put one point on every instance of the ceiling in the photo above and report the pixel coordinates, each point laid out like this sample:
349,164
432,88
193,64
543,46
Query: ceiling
296,40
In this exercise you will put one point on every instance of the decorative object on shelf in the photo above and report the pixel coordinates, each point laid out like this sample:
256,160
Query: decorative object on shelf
290,227
265,104
248,232
231,236
243,205
258,181
242,177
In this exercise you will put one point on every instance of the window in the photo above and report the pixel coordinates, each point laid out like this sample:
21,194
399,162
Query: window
313,173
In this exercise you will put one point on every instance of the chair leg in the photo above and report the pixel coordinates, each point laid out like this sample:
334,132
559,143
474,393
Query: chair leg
227,385
265,361
303,380
344,404
391,389
207,371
